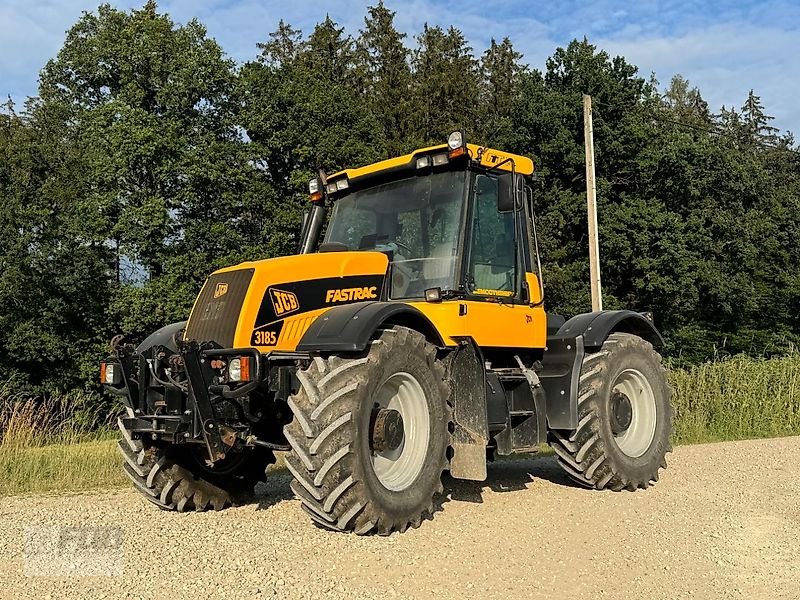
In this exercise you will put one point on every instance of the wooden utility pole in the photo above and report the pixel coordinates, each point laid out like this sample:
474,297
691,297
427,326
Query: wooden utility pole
591,206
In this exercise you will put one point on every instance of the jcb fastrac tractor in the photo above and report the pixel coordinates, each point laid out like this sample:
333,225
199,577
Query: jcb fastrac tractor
408,340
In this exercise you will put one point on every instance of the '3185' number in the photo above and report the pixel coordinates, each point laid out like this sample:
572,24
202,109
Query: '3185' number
265,338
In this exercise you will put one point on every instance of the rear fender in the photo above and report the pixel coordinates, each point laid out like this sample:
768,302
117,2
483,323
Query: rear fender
563,358
595,327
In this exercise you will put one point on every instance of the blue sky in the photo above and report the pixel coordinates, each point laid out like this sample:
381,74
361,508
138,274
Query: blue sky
725,48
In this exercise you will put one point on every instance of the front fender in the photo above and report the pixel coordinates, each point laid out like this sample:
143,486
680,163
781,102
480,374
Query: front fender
162,337
350,328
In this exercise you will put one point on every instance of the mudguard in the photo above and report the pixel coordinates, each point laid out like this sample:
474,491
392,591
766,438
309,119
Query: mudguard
349,328
582,334
595,327
162,337
467,378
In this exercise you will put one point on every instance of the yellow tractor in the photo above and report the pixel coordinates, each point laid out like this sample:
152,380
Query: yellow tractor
408,340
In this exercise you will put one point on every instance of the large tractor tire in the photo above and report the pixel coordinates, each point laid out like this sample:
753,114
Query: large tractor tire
370,435
624,418
179,480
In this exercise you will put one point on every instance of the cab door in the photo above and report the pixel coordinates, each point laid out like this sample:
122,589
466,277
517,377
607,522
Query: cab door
504,295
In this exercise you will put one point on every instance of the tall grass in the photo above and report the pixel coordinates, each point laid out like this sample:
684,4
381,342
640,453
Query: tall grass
737,398
68,442
55,443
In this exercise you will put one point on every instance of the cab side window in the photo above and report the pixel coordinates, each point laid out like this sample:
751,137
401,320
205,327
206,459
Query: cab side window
493,259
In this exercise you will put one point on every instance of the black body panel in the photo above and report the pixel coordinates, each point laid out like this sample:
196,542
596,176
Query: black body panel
561,369
162,337
216,312
595,327
350,328
296,297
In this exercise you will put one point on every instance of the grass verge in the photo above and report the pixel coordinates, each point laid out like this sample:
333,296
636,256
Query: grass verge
56,443
68,444
60,467
737,398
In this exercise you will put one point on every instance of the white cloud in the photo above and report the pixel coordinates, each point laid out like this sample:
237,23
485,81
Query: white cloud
725,61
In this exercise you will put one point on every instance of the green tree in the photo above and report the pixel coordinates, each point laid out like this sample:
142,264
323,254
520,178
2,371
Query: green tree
151,107
757,123
501,72
686,104
303,115
445,84
385,75
54,261
284,45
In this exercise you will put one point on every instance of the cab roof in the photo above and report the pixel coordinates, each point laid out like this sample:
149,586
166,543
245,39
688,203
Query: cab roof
485,157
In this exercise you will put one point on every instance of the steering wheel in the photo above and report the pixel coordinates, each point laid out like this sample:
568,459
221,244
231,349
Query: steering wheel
403,246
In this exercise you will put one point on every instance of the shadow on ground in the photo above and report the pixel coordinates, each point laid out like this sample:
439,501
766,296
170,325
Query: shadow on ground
505,475
274,491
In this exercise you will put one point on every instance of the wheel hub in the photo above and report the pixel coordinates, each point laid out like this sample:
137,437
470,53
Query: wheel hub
387,430
621,413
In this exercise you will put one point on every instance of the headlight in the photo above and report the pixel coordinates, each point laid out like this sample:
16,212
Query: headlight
239,369
338,185
110,374
455,140
456,144
440,159
315,189
423,162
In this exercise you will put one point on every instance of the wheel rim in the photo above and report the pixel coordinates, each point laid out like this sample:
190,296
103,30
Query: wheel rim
397,468
633,413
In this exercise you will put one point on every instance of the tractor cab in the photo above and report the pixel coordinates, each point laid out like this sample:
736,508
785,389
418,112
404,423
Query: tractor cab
429,210
456,223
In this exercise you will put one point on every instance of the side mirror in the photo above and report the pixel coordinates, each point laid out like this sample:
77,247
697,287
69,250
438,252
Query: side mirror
505,192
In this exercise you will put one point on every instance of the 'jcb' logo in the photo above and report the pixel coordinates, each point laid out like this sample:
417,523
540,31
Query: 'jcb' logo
283,302
220,290
350,294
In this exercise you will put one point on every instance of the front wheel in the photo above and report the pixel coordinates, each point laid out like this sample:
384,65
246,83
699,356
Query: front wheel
624,418
370,435
178,479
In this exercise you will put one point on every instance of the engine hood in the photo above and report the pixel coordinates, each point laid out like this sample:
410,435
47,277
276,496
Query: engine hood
269,304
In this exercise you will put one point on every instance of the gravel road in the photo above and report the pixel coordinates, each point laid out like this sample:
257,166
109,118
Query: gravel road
724,522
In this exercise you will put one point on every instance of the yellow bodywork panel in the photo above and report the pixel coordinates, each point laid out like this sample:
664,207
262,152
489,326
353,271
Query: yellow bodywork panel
490,324
489,157
288,293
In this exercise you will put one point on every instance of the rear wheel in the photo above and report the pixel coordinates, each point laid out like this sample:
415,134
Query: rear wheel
624,418
370,435
178,479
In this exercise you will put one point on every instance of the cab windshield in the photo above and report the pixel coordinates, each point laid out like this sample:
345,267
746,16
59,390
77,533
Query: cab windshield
415,220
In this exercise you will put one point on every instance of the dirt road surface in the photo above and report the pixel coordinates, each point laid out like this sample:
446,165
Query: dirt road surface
723,522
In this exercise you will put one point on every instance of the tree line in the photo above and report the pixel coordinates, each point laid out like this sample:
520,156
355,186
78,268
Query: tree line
149,158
